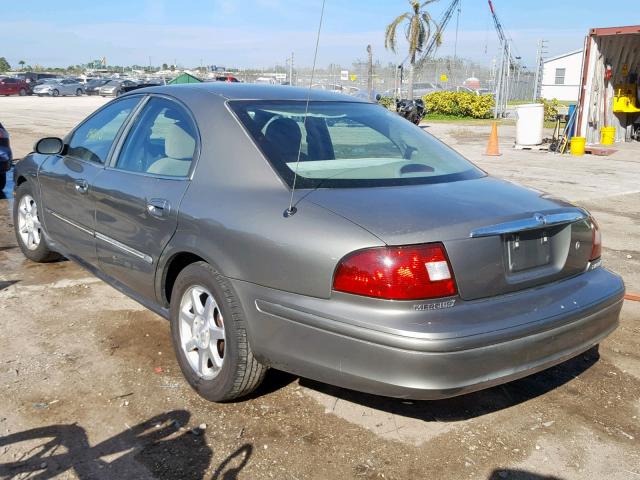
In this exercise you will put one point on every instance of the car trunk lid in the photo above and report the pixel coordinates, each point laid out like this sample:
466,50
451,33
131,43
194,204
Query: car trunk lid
499,237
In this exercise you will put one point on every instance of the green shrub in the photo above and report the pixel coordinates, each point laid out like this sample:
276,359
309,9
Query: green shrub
550,109
388,102
459,104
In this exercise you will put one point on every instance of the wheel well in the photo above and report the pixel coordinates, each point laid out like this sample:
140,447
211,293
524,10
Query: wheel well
177,263
20,180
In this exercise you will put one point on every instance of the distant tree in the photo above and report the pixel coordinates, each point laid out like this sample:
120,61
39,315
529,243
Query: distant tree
417,31
165,66
4,65
22,64
173,68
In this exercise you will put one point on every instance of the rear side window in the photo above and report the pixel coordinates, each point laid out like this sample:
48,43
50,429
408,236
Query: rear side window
93,139
162,141
348,144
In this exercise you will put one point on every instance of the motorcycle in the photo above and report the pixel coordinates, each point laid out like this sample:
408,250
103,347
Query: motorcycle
412,110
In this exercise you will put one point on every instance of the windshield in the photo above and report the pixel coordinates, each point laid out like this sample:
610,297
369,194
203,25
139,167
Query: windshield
344,144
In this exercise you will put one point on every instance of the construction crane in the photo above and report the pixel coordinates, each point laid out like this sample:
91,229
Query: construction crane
504,41
503,81
433,42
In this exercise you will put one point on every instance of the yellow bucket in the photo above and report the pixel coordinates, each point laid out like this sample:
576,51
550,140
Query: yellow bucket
577,145
607,135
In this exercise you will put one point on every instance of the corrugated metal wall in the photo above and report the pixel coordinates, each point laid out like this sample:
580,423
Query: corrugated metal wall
615,50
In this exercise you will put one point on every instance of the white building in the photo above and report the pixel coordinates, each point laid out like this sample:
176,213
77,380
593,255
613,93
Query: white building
561,77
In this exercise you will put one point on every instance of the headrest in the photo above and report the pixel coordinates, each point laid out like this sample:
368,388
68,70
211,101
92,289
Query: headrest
285,134
178,143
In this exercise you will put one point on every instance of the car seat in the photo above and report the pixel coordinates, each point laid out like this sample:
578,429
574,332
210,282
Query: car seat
179,147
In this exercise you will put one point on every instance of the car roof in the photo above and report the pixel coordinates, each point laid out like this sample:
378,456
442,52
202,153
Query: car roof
252,91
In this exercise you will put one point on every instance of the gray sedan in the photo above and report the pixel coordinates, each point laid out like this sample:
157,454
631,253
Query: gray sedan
333,240
115,88
55,88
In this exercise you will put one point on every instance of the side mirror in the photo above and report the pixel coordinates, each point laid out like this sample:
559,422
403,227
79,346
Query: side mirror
378,97
49,146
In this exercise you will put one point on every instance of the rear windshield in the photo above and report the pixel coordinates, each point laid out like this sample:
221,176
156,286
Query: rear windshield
344,144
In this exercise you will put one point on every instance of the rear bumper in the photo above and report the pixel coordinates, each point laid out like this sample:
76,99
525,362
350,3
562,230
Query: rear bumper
426,363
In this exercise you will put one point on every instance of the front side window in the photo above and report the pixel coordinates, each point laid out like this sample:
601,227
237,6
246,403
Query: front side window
93,139
162,141
560,73
345,144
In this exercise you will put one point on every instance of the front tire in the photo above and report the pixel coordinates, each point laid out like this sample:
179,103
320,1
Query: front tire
3,180
28,227
78,92
55,93
22,92
209,336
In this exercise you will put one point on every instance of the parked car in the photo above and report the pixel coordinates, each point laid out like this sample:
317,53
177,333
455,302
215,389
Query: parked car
424,88
226,78
55,88
32,77
92,86
42,81
399,268
138,86
13,86
6,157
115,88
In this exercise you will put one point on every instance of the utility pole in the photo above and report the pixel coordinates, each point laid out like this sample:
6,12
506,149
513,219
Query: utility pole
370,73
291,70
542,44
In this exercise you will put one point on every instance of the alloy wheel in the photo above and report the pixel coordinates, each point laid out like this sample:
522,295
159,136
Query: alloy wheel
202,332
29,227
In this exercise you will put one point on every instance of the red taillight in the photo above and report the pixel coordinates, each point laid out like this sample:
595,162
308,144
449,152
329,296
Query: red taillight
596,241
397,273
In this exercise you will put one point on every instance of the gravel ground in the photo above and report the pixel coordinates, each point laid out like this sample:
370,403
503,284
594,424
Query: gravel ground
90,388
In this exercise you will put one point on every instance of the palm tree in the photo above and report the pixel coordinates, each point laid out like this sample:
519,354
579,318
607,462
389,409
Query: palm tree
22,64
417,31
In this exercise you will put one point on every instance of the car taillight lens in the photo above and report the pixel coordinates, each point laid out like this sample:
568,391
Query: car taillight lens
596,240
397,273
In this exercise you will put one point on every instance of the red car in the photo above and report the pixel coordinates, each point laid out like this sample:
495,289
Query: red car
13,86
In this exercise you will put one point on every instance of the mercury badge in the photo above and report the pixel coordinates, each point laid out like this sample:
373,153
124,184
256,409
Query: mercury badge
435,305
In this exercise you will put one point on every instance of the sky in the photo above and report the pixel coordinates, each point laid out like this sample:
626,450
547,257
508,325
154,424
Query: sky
262,33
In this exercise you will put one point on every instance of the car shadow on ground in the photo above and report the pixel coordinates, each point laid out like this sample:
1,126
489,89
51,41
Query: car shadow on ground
7,283
519,475
159,448
474,404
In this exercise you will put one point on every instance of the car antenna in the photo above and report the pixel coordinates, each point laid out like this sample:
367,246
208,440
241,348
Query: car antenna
292,210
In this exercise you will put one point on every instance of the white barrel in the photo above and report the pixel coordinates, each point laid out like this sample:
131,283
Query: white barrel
529,123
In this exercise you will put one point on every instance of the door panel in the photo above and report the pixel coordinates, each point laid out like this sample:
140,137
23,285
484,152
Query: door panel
69,211
133,226
66,181
137,199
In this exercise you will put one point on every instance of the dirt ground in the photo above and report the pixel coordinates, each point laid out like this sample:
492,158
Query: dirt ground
90,389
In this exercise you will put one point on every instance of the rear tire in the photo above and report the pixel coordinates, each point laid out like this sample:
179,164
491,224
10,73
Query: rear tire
3,180
79,92
55,93
239,373
36,251
22,92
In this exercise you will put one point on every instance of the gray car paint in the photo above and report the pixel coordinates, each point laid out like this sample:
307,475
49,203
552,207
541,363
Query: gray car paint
281,268
64,87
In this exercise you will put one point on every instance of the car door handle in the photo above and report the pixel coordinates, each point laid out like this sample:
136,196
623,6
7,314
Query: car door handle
158,207
82,186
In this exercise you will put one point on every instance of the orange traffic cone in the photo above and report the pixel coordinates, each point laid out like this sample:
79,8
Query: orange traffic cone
493,148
